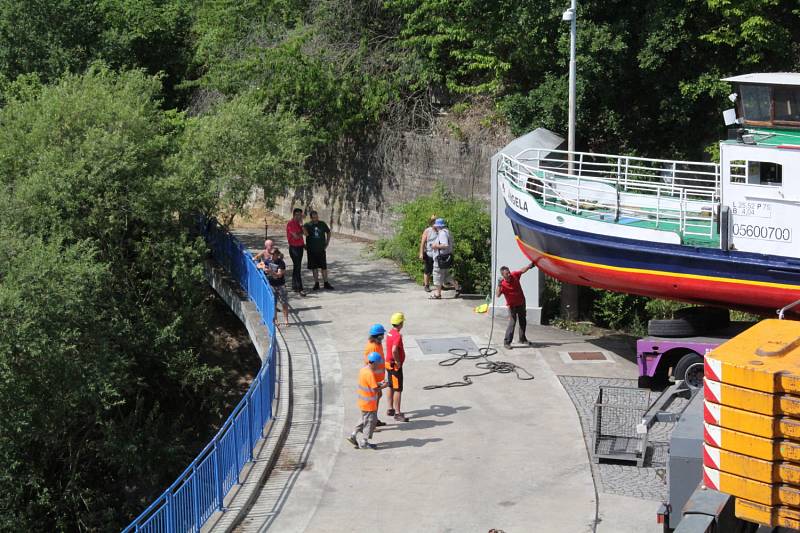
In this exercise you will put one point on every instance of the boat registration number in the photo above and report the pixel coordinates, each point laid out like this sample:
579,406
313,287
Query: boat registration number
768,233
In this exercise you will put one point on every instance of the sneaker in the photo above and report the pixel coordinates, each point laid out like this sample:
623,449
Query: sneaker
369,446
352,440
524,341
390,412
301,292
328,286
427,288
400,417
315,287
507,346
380,423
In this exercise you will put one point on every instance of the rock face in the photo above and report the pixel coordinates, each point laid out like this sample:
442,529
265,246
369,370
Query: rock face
359,198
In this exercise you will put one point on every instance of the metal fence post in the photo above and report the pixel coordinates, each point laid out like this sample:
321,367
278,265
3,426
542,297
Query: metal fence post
170,508
218,471
196,499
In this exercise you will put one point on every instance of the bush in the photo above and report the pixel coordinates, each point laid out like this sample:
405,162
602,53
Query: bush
470,227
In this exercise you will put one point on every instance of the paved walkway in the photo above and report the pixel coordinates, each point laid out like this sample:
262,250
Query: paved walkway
500,453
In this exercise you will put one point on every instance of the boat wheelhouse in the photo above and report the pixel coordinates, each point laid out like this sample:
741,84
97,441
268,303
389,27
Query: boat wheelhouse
717,234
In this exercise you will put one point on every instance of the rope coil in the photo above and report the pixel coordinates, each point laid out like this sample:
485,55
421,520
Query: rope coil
500,367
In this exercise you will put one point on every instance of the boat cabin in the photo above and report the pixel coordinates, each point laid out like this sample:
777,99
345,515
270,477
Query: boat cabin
760,164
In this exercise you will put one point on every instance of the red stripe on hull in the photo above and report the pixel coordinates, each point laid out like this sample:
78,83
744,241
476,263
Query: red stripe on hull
737,293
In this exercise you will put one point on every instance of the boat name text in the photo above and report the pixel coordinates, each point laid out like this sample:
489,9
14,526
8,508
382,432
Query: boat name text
511,196
767,233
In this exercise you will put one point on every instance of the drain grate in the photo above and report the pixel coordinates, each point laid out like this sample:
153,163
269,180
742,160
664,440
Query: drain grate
440,346
587,356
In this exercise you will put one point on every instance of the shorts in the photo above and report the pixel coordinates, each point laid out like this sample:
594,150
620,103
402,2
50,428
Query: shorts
317,260
441,276
395,379
280,294
427,267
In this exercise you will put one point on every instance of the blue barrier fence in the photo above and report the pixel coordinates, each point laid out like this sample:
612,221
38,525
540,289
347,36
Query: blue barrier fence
199,491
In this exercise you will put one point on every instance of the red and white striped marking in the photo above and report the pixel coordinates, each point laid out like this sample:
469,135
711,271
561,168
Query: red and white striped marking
711,478
712,435
712,390
712,413
713,369
711,456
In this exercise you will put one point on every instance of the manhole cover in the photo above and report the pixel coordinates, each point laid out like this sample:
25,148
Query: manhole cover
437,346
586,356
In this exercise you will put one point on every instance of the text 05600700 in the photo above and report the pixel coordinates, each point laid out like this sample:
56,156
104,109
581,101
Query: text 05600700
769,233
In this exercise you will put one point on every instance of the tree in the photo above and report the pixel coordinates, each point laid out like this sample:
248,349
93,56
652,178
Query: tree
102,305
228,152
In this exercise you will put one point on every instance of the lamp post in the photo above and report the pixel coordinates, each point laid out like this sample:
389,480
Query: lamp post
570,294
570,15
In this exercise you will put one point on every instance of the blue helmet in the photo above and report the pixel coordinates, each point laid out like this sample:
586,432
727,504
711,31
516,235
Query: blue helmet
440,223
374,357
377,330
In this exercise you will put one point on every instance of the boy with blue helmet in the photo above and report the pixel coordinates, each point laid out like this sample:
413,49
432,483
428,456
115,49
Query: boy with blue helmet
375,345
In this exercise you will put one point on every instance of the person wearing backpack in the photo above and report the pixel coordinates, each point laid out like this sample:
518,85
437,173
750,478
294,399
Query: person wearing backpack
442,260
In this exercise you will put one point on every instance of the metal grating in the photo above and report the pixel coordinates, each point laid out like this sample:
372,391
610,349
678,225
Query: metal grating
586,356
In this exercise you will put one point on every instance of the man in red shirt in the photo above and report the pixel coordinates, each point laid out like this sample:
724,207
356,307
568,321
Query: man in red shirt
510,287
294,234
395,358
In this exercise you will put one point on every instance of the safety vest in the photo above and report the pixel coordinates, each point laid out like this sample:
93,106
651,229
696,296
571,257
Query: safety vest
380,368
367,396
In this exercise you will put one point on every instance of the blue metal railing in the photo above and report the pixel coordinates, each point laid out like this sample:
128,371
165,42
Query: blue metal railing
199,491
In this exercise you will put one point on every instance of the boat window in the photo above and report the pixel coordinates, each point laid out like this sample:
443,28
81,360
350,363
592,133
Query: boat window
756,102
764,173
738,171
787,104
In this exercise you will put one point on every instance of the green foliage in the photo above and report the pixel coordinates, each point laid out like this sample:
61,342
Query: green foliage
616,310
102,305
469,225
224,154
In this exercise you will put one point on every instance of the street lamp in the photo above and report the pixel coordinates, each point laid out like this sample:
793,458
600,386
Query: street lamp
570,15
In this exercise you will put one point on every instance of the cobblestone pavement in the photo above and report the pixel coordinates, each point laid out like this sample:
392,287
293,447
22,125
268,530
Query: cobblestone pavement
650,481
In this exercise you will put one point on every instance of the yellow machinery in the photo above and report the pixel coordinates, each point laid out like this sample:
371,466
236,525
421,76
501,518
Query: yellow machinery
752,422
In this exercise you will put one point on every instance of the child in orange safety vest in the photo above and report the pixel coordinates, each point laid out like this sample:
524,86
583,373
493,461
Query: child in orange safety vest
375,344
368,389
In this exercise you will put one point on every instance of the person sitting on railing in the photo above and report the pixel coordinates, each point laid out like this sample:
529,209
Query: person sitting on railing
276,272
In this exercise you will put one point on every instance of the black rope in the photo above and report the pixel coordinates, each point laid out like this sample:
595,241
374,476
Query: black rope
500,367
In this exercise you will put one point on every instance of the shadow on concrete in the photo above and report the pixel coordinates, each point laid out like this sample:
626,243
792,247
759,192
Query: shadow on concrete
436,410
619,343
413,443
548,344
309,308
315,322
414,424
368,281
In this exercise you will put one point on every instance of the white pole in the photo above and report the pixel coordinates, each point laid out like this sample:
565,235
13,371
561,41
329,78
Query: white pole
572,38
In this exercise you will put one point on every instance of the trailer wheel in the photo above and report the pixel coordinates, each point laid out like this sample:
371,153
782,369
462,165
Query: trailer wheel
690,369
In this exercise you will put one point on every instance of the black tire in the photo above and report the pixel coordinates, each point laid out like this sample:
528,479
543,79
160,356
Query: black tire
690,321
690,369
709,318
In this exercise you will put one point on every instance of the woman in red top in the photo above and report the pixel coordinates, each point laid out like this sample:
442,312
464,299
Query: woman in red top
294,234
510,287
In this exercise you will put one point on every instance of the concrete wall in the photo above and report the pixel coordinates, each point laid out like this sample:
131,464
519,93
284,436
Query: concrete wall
359,200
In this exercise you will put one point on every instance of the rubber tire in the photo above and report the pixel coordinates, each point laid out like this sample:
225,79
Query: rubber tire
691,358
690,321
708,318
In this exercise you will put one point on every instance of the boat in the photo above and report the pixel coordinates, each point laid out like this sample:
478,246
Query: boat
716,234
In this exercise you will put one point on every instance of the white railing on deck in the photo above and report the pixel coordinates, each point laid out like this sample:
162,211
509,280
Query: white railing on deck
681,196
